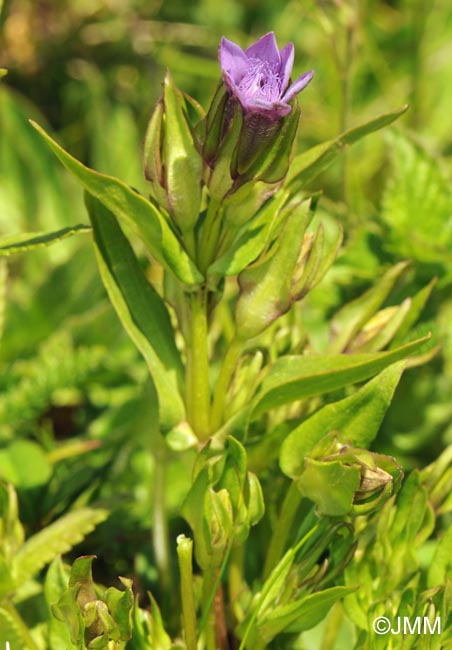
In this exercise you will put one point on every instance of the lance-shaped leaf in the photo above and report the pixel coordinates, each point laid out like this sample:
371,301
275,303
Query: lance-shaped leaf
140,309
356,419
295,377
22,242
354,315
134,210
309,164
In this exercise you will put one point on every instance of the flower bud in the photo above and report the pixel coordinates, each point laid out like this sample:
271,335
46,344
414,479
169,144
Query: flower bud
283,274
172,162
361,480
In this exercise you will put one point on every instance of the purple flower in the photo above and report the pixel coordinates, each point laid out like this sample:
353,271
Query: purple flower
259,77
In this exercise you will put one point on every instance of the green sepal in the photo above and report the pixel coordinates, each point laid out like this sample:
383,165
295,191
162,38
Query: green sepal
152,156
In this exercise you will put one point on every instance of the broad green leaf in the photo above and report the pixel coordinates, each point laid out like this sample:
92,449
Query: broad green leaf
28,241
24,464
302,614
140,309
251,240
295,377
357,420
309,164
134,210
350,319
56,539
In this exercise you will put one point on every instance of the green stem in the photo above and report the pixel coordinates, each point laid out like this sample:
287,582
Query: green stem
236,573
197,381
160,535
223,381
185,556
282,529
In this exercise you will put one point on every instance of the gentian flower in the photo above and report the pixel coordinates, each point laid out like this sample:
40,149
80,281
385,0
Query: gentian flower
259,76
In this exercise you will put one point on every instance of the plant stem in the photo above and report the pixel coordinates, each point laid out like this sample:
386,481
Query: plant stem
160,536
282,529
185,555
236,573
223,381
198,391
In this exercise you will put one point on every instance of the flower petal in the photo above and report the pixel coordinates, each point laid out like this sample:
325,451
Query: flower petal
265,49
297,86
287,57
233,61
273,110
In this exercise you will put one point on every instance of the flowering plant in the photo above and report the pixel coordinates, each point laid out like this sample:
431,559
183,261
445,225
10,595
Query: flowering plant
239,389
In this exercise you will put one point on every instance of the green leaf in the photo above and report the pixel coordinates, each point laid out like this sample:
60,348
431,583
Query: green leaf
330,485
24,464
120,605
309,164
356,418
55,585
9,630
140,309
441,565
295,377
417,205
350,319
57,538
302,614
135,211
28,241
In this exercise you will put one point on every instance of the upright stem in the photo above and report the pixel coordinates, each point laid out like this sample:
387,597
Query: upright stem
197,381
282,529
160,536
222,383
185,555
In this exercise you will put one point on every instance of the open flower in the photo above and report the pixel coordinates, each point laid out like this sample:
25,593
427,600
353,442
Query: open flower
259,77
